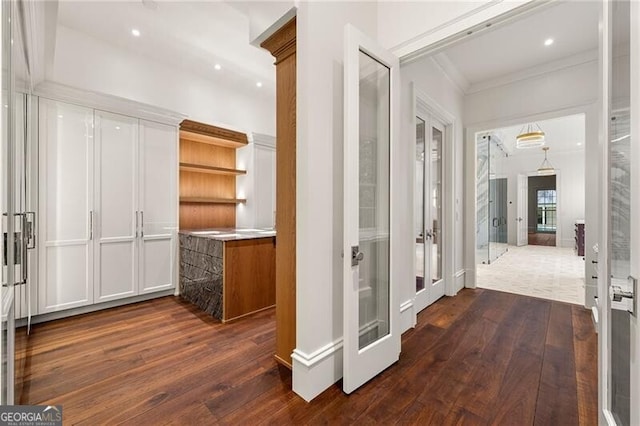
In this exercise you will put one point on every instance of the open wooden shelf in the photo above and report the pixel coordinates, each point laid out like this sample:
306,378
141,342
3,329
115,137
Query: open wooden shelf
202,200
199,168
212,135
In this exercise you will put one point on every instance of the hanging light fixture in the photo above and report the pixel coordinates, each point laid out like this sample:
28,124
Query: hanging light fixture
546,168
531,136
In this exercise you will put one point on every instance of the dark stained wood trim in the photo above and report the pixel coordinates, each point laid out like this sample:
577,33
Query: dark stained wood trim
282,43
213,131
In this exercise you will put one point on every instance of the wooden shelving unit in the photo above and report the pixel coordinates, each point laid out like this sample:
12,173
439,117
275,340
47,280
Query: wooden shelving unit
198,168
197,200
208,175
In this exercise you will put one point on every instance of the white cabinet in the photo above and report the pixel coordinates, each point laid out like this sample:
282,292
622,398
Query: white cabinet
158,206
116,199
108,190
65,206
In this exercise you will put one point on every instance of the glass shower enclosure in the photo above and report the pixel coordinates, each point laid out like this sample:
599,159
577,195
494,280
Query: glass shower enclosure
491,198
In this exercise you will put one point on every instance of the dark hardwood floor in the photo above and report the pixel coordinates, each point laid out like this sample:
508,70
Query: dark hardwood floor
482,357
542,239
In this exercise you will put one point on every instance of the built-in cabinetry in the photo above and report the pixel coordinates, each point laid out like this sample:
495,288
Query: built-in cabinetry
208,175
107,204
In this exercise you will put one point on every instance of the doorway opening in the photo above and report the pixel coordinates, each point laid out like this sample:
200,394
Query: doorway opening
543,211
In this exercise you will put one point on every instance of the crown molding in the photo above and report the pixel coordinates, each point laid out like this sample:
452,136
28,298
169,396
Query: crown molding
586,57
102,101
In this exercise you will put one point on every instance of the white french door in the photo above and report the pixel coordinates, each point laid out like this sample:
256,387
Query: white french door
371,307
522,219
428,204
620,331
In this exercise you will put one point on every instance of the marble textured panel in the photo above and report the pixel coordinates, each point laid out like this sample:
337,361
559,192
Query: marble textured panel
201,273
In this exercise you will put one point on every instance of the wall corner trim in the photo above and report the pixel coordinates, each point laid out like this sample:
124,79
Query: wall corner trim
315,372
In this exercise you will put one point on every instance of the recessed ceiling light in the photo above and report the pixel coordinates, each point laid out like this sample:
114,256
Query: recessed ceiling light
117,127
579,143
217,67
548,42
60,116
259,84
135,32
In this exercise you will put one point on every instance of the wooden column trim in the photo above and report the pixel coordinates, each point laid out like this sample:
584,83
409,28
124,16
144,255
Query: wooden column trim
282,45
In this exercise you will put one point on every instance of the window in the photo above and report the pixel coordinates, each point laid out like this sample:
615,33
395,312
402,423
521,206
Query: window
546,210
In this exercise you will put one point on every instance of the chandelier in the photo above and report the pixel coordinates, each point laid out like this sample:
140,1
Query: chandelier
546,168
531,136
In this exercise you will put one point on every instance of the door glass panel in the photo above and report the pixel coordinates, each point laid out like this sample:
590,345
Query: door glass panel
620,208
419,203
436,204
374,186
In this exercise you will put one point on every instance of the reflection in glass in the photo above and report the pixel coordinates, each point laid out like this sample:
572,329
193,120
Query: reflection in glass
491,201
436,204
374,186
620,208
419,203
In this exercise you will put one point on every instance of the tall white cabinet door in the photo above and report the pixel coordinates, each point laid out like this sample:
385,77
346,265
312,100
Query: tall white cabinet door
66,204
116,157
158,206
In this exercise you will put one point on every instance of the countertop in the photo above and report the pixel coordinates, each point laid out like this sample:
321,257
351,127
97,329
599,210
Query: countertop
231,234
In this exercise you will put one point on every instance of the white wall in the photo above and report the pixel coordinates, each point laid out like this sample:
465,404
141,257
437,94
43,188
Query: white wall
569,186
570,90
88,63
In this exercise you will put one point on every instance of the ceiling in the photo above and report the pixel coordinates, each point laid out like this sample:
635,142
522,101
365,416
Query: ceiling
563,134
190,34
516,46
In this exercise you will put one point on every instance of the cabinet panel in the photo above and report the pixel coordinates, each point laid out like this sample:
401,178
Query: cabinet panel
116,199
66,202
117,271
158,205
156,262
265,184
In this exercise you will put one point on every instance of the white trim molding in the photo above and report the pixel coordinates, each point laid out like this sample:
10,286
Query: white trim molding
459,279
315,372
116,104
407,315
263,140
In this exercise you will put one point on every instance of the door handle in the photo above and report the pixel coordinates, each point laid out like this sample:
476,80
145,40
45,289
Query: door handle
356,255
618,294
137,224
31,230
90,224
141,224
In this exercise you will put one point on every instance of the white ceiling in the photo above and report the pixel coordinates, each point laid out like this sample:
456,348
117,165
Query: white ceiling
188,34
516,46
563,134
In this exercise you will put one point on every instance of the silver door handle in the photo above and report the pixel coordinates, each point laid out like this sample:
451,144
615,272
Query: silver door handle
356,255
31,228
90,224
141,224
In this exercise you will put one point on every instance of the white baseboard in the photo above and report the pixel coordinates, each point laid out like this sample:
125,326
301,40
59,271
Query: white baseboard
407,315
315,372
470,278
459,280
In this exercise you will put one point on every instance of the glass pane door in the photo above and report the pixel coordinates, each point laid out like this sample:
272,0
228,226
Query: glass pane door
419,228
374,200
620,227
435,202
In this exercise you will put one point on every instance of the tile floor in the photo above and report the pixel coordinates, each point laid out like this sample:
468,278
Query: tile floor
552,273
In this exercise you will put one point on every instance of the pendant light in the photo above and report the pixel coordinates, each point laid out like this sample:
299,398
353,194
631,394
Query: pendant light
531,136
546,168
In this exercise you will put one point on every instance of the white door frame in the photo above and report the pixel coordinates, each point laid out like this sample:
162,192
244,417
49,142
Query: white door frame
522,209
424,105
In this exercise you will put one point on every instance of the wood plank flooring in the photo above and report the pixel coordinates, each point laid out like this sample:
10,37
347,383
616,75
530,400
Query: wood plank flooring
482,357
542,239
